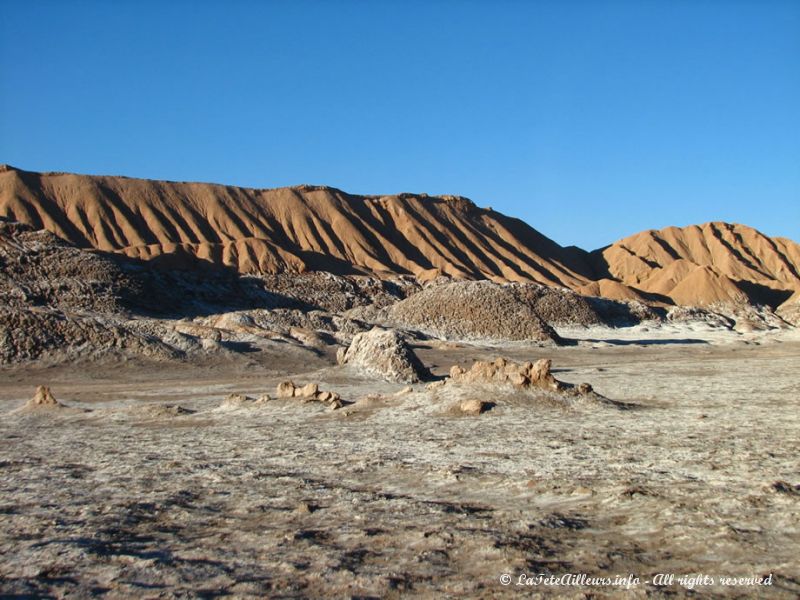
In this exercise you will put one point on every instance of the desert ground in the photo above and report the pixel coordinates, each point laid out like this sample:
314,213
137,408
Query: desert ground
148,483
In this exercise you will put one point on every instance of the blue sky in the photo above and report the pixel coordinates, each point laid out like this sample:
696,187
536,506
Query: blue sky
590,120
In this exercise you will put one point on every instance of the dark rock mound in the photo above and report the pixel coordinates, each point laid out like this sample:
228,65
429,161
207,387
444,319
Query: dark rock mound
475,310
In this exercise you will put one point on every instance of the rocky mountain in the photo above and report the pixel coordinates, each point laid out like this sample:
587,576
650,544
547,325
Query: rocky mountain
312,228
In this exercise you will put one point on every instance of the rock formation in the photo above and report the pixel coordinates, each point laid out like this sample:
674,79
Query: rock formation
383,354
474,310
524,376
43,399
31,334
473,407
308,392
39,269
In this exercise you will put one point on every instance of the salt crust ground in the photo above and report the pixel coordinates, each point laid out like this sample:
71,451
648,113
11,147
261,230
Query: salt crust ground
397,496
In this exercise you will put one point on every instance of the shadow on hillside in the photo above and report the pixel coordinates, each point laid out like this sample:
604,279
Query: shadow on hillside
184,286
765,295
316,261
575,259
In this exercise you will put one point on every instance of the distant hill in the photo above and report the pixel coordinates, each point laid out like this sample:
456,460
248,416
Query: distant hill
703,264
314,228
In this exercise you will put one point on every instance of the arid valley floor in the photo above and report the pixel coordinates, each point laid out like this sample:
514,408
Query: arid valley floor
123,494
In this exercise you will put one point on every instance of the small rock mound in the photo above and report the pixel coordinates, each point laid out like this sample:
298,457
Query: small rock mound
473,407
43,399
242,401
524,375
309,393
157,411
510,383
474,310
383,353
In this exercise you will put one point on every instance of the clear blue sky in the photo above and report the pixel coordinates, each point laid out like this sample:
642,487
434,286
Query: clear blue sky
590,120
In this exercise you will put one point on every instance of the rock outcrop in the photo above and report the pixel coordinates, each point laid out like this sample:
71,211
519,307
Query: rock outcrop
31,334
475,310
308,393
383,354
502,371
43,399
39,269
527,376
504,382
473,407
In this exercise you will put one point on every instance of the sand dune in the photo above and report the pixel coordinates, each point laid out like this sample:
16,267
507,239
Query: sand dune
313,228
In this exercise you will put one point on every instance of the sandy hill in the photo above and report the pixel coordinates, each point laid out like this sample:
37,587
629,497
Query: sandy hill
296,229
312,228
705,264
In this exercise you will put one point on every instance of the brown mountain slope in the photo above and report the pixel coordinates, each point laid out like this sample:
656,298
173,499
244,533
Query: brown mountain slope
309,228
705,264
296,229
